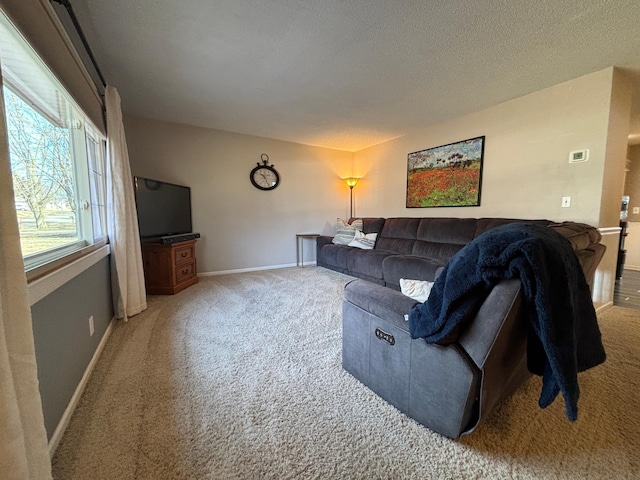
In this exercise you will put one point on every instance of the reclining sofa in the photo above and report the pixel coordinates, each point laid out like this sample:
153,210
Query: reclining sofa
449,389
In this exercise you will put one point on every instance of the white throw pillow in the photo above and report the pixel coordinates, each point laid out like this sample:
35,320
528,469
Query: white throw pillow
419,290
363,240
345,233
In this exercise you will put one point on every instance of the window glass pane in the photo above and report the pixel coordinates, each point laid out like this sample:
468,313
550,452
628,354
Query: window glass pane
96,157
43,176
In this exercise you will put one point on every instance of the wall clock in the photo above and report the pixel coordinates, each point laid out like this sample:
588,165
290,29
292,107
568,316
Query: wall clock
264,176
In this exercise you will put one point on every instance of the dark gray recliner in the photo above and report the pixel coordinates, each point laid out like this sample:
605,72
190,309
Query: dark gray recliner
448,389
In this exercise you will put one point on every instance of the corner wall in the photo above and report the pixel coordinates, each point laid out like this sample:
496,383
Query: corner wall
242,227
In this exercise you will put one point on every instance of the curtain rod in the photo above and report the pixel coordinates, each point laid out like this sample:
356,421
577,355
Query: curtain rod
66,4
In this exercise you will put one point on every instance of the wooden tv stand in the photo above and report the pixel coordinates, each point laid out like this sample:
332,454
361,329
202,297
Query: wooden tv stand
169,269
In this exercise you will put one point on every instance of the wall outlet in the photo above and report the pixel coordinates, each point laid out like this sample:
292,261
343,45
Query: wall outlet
566,202
636,210
91,329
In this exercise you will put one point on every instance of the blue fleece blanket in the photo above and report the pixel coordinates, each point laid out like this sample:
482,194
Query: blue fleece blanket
564,337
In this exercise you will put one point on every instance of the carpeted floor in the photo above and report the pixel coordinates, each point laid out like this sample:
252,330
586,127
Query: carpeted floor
239,377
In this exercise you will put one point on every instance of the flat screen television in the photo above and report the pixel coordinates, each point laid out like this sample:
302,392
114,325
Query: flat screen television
163,208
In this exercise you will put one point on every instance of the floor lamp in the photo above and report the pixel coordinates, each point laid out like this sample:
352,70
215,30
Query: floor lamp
351,182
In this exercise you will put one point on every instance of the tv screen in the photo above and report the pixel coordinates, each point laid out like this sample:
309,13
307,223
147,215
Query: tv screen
163,208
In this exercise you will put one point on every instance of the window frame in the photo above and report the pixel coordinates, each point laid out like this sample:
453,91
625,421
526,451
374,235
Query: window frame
81,129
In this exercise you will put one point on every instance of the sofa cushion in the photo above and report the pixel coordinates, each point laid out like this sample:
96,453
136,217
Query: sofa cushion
398,235
395,267
345,232
438,252
366,263
366,241
372,224
335,256
484,224
458,231
441,238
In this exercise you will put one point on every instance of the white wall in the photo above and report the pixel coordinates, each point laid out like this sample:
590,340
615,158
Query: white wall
241,226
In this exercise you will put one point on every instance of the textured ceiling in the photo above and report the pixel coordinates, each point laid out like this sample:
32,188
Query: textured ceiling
348,74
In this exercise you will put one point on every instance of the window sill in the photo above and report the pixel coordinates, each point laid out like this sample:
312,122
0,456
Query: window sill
48,281
46,268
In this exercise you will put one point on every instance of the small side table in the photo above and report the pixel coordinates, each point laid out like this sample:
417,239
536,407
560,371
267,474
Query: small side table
300,238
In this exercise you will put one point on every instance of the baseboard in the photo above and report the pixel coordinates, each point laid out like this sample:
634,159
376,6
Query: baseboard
604,306
252,269
66,416
632,267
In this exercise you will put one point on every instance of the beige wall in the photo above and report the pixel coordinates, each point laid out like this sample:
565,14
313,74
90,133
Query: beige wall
526,170
526,173
241,226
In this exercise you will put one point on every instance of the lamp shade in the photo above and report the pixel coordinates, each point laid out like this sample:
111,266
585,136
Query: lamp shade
351,181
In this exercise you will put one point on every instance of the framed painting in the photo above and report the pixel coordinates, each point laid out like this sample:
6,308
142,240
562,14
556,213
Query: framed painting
446,176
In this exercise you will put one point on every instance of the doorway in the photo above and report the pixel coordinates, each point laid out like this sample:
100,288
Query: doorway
627,290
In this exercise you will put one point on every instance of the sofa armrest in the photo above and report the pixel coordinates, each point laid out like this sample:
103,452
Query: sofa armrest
581,235
493,316
496,341
323,240
380,301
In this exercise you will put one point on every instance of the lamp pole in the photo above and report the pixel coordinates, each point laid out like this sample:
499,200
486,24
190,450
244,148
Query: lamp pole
351,182
351,201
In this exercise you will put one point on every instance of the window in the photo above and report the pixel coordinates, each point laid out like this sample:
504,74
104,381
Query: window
96,148
57,157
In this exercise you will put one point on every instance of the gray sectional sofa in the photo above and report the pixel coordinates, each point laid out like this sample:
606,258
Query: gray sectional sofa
450,389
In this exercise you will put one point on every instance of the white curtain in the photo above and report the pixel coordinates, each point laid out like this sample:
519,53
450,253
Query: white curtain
129,295
24,452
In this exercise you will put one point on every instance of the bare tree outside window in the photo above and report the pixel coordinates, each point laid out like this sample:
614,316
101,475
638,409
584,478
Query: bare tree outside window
43,176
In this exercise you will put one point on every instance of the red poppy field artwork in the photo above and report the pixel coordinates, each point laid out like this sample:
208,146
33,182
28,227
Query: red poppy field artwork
446,176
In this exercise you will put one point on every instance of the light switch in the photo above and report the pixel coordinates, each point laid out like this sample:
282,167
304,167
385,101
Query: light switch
566,202
636,210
